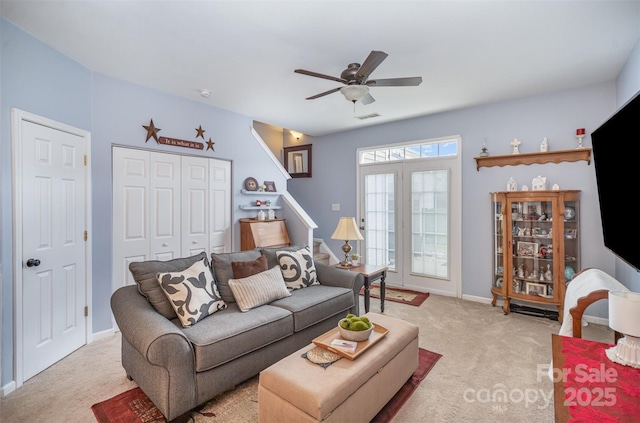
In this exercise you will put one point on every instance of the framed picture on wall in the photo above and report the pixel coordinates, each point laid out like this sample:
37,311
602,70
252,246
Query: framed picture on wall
297,161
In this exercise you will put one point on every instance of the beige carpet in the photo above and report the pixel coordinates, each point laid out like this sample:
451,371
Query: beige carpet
483,352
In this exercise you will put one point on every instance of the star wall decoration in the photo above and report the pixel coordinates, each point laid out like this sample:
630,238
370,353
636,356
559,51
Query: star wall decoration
200,132
210,144
152,131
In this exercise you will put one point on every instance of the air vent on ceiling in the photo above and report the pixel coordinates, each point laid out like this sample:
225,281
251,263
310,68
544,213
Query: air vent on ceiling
369,116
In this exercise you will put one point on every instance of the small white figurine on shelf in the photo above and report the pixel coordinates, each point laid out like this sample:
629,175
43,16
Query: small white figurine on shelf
512,185
483,151
261,215
520,271
555,187
271,214
548,275
539,183
544,146
515,143
525,188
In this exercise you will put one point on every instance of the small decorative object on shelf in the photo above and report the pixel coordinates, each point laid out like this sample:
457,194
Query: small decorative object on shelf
483,151
271,214
544,145
525,188
515,143
270,186
512,185
251,184
539,183
261,215
263,187
555,187
580,135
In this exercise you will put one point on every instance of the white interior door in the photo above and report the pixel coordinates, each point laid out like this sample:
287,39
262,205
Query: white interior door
52,291
167,206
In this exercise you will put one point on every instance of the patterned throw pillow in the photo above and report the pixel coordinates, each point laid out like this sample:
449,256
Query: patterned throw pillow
192,292
297,268
259,289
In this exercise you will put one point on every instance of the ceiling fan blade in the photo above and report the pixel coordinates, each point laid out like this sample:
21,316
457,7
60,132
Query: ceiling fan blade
320,75
396,82
370,64
367,99
323,94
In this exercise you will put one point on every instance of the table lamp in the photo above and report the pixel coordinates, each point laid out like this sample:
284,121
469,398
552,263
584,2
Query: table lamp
624,317
347,230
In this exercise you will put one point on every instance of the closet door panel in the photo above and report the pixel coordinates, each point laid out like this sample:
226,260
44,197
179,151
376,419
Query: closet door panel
131,176
165,206
195,205
220,206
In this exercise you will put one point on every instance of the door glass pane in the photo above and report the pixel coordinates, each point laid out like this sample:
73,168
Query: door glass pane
380,228
429,223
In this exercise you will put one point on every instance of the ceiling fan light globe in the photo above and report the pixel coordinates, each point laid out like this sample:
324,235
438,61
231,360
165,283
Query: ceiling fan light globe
354,92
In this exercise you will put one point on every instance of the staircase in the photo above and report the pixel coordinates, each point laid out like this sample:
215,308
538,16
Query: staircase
318,255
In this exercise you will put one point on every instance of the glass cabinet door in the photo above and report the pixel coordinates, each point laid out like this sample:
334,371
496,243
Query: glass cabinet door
532,252
498,243
571,239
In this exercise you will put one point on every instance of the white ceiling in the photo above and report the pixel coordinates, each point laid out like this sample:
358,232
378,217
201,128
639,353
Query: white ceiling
245,52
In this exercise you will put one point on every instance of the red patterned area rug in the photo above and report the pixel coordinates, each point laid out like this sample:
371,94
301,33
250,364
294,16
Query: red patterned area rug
398,295
133,406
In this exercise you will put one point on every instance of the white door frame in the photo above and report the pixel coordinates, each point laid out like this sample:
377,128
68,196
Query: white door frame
455,223
17,117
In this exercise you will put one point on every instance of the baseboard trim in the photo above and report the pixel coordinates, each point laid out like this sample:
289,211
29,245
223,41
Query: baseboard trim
7,389
586,318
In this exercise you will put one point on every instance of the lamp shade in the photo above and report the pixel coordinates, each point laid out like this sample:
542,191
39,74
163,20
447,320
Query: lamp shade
347,230
624,312
354,92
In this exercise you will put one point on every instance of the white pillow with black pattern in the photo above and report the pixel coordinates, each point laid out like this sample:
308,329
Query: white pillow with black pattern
192,292
298,269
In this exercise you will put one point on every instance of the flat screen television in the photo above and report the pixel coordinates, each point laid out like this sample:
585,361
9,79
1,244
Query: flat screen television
616,158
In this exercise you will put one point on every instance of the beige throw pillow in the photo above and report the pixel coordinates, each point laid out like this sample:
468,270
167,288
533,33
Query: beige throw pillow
259,289
192,292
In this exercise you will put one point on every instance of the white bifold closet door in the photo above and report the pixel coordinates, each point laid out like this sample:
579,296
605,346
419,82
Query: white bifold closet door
167,206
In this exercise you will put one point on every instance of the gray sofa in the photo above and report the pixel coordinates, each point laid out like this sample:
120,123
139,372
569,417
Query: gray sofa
181,368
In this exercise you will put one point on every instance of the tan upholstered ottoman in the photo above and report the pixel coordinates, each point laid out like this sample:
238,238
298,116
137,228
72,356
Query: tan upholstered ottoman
297,390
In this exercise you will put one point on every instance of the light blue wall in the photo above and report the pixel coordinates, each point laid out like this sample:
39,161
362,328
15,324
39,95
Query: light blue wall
555,116
39,80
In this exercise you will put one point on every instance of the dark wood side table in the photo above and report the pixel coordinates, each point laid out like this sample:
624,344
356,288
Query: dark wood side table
371,274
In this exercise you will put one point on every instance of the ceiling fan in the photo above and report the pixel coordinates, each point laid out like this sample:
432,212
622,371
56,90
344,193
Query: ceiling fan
356,79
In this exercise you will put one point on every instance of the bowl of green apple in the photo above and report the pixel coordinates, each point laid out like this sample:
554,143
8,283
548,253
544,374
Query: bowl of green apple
354,328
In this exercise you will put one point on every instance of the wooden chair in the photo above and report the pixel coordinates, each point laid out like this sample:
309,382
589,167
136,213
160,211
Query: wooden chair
584,302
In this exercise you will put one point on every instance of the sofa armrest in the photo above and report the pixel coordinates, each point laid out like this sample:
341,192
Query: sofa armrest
154,336
332,276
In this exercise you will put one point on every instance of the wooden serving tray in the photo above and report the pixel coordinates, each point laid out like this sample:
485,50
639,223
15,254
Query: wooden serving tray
324,341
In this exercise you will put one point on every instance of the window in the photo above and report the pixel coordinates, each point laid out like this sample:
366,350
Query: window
448,147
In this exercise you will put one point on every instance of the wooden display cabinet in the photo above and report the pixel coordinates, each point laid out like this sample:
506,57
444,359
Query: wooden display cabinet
536,245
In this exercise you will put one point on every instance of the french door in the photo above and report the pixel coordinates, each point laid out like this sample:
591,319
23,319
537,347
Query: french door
410,216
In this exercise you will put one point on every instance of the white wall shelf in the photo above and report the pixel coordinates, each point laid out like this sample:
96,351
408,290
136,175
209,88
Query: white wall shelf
244,191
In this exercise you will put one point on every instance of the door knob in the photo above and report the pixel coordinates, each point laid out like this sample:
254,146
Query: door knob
33,262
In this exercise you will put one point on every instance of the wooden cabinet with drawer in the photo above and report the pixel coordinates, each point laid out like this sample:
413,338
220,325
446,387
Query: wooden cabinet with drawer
263,233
